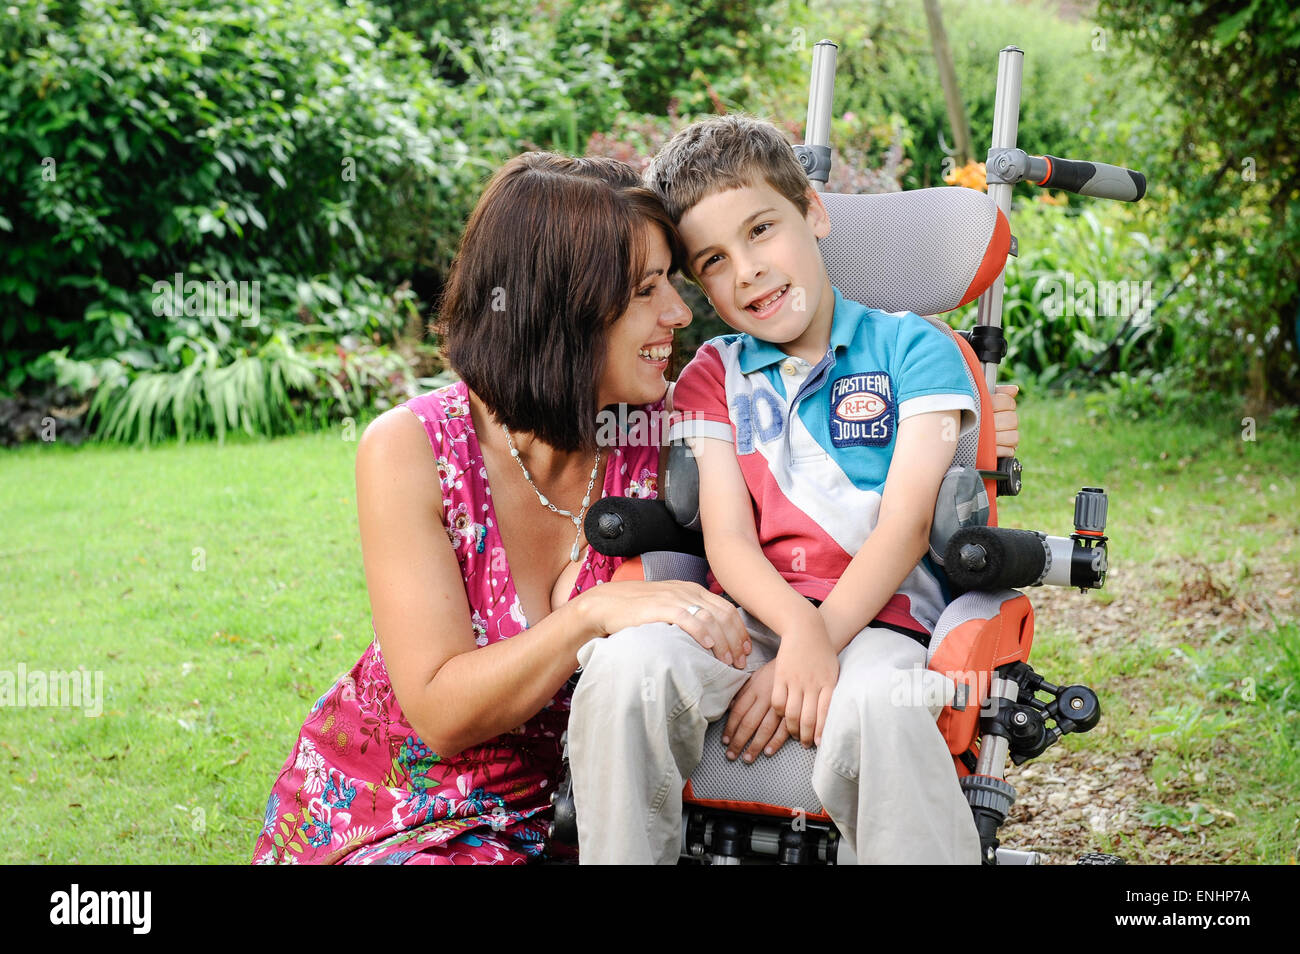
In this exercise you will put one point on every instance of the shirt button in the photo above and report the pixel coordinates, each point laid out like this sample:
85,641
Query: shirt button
789,367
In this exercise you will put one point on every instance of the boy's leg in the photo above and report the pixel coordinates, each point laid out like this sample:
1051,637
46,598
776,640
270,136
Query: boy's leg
636,733
883,771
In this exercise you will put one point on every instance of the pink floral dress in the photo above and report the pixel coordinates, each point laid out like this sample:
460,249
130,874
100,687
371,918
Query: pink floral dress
360,786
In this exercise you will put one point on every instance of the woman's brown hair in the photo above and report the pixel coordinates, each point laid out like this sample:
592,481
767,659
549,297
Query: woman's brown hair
550,258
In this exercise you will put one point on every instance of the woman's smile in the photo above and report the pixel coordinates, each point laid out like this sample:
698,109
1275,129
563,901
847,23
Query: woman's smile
657,354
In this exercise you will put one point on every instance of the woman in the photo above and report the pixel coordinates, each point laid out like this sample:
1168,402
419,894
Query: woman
441,745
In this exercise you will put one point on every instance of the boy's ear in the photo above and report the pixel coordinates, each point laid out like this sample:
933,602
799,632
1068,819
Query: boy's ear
817,217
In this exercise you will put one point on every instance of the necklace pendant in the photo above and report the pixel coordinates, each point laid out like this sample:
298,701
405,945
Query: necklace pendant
573,554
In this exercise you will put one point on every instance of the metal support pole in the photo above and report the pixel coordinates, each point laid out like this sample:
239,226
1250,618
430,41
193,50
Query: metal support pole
816,153
1006,125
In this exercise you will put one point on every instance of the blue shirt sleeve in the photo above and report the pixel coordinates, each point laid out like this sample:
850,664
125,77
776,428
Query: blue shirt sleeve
929,370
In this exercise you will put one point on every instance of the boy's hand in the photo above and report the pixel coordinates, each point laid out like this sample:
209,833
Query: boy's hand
806,671
752,715
1006,422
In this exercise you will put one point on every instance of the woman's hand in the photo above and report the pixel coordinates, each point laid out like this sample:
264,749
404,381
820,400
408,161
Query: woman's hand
715,624
753,719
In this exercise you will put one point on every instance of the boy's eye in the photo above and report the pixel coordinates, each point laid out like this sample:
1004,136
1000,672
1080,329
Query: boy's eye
760,229
709,261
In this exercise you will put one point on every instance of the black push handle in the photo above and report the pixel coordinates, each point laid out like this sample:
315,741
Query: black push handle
1097,179
993,558
630,526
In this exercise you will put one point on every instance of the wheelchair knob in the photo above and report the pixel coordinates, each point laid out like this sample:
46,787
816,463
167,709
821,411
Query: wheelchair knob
974,557
1078,705
730,838
794,848
1028,733
1090,511
610,525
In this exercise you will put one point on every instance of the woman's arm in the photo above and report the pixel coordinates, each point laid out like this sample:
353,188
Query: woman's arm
454,693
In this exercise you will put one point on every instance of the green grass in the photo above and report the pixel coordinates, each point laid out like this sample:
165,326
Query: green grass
1192,675
218,589
208,672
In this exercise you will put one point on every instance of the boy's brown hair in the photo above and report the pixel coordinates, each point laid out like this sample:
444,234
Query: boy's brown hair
725,152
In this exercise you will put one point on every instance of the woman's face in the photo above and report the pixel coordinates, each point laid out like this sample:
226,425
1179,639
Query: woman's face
640,341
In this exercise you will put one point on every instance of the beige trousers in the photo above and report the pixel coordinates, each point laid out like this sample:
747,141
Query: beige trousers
883,772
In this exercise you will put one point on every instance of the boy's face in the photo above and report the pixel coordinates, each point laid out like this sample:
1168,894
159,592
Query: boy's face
757,259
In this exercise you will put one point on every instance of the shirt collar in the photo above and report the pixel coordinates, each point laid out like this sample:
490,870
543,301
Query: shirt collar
756,354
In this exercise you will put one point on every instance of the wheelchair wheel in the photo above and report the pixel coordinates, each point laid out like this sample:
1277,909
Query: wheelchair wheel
1097,858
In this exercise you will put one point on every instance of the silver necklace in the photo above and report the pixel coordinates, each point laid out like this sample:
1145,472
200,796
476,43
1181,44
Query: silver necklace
586,501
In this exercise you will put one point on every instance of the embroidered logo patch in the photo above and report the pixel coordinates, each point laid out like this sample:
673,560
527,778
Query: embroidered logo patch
863,411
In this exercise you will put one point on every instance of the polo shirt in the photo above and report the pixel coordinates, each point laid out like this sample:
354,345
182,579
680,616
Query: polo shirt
814,442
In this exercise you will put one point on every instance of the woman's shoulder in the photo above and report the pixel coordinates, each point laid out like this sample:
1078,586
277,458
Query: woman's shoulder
395,456
422,420
445,404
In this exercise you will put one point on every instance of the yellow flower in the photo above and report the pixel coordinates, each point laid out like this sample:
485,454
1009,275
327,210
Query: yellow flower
969,176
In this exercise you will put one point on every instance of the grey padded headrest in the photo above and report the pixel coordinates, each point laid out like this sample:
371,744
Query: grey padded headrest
926,251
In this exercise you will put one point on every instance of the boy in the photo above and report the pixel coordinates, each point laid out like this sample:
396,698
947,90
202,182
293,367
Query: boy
822,432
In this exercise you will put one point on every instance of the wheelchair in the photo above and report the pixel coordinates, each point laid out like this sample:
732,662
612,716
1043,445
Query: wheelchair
927,251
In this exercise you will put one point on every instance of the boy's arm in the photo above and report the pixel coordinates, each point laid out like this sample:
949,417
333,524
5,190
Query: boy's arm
923,452
806,667
726,511
731,542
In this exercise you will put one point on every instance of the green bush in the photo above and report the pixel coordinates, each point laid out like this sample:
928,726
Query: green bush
308,151
276,373
525,88
696,57
1080,299
232,142
1223,152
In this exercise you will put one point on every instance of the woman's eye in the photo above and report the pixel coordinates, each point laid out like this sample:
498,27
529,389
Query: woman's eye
646,292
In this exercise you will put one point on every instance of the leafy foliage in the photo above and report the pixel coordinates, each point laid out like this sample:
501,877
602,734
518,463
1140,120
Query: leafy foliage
223,141
694,57
1223,151
1079,300
254,144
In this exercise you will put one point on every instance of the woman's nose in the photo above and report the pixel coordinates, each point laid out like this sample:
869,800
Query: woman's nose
676,313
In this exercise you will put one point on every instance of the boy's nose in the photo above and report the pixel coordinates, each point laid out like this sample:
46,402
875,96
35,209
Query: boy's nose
749,271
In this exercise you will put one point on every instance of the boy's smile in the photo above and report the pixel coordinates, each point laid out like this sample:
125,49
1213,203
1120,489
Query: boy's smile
756,256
